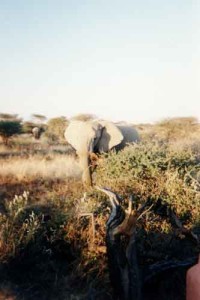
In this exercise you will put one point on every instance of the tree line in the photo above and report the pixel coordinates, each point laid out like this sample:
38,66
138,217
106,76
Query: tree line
12,124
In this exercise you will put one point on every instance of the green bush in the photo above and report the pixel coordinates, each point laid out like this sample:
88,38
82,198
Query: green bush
151,170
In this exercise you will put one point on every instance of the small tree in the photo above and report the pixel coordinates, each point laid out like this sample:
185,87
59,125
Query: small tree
39,118
56,128
84,117
8,129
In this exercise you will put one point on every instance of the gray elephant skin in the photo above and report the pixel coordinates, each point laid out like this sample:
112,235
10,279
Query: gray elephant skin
96,136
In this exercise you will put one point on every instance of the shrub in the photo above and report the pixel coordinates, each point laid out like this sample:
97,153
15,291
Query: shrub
176,128
55,129
13,232
151,170
24,225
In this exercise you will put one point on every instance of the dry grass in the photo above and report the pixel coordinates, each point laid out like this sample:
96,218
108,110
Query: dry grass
5,149
53,166
191,142
172,131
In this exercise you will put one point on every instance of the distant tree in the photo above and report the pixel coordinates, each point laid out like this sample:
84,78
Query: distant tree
84,117
4,116
56,128
28,126
8,129
39,118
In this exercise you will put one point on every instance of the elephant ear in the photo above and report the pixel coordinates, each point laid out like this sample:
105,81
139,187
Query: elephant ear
111,136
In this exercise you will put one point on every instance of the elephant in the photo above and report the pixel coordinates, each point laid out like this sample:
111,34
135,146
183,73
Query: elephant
37,131
95,137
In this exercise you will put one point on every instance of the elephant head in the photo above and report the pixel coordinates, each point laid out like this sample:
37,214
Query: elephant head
37,132
91,137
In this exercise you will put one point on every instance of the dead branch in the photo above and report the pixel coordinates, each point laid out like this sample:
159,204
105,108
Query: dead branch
122,261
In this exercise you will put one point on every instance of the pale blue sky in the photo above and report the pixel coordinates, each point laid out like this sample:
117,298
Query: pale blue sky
121,60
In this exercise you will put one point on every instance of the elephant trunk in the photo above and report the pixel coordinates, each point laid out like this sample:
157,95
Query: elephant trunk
86,168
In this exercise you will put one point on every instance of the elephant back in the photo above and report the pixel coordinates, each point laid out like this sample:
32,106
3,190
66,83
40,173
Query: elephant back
130,135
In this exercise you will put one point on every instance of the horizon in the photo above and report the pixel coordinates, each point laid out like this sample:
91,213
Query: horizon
32,118
129,61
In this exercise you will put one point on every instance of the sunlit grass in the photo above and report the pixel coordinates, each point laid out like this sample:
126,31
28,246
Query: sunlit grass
54,166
